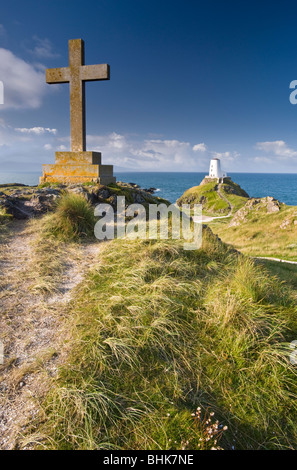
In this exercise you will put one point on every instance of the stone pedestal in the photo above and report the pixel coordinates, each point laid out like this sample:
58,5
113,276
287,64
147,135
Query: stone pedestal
78,167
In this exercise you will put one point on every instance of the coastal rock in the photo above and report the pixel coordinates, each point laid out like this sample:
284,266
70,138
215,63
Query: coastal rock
23,202
14,207
285,224
40,204
21,208
150,190
272,204
267,204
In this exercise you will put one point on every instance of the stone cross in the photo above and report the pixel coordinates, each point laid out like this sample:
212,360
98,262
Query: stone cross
76,75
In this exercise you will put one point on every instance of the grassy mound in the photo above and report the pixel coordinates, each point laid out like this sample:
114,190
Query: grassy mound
215,199
72,219
155,333
262,234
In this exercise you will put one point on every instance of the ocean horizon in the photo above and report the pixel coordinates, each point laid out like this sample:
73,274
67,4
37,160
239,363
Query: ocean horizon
171,185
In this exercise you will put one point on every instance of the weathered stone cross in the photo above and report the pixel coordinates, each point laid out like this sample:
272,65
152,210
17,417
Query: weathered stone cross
77,166
76,75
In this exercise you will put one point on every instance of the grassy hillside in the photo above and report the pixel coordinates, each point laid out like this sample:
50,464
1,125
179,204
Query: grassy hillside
287,273
257,232
216,199
157,338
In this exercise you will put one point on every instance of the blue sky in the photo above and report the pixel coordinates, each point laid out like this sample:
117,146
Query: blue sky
189,80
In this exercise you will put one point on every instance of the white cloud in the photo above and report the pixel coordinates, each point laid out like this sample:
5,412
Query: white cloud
200,147
36,145
226,156
168,152
114,141
48,147
24,83
150,154
36,130
278,149
25,151
263,160
43,48
155,154
23,139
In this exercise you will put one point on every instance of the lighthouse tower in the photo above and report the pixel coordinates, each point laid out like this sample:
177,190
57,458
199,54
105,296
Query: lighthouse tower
215,171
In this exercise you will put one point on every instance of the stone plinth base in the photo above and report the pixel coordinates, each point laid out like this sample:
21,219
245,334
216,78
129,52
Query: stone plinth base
210,179
78,167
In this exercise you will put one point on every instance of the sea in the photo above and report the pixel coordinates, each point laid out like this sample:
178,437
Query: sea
171,186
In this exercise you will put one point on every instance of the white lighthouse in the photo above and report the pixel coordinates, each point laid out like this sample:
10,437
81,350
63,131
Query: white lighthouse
215,171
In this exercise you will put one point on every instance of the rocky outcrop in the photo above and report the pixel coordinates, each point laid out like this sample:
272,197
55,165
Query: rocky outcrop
289,222
268,204
24,202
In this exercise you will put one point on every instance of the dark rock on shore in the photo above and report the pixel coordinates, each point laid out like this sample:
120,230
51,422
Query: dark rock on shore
150,190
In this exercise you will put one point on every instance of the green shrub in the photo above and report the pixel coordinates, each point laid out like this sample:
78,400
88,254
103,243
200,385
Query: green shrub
73,218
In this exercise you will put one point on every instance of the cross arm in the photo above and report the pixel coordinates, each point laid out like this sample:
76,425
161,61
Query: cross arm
89,73
61,75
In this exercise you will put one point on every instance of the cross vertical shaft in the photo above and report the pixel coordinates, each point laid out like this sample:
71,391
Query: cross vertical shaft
76,75
77,96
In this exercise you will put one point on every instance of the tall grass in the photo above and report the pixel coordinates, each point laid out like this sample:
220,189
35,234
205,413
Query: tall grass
4,223
73,218
154,333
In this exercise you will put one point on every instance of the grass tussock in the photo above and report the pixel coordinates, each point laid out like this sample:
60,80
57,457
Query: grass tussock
4,223
156,332
73,219
56,241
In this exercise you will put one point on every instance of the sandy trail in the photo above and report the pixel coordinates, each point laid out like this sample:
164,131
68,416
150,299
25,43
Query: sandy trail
275,259
206,218
30,325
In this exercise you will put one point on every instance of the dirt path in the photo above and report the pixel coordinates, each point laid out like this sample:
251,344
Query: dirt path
225,199
206,218
30,328
275,259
